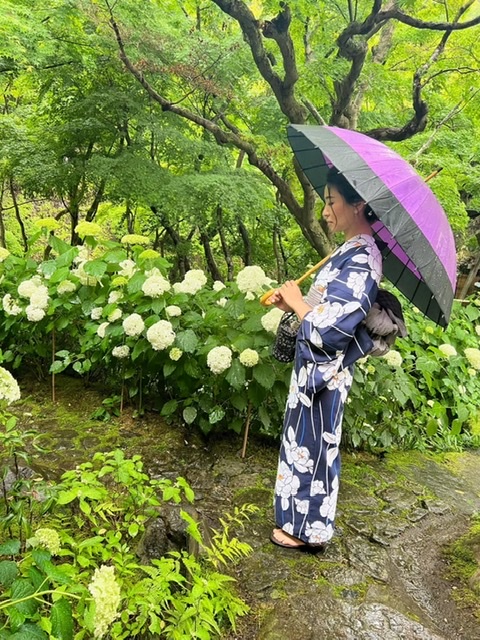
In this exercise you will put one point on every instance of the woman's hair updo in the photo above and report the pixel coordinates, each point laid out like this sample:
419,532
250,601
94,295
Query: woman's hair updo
345,189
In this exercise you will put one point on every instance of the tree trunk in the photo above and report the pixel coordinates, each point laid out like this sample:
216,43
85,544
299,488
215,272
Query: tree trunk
18,216
225,248
182,264
277,253
3,241
210,258
247,245
470,279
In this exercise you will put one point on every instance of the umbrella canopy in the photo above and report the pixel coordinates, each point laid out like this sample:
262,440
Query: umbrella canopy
411,228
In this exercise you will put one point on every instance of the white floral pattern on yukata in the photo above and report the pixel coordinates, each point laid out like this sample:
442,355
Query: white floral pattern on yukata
307,483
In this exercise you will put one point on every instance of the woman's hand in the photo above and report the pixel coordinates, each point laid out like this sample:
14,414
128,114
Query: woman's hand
289,297
277,300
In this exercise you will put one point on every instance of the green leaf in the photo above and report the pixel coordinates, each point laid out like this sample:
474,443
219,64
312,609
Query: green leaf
135,283
236,375
140,347
29,632
62,619
216,415
8,572
95,268
169,408
456,427
187,341
66,259
432,427
264,375
133,529
59,275
22,589
115,255
169,368
10,548
59,246
239,401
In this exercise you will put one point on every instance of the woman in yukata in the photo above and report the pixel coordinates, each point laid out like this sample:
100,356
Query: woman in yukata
330,338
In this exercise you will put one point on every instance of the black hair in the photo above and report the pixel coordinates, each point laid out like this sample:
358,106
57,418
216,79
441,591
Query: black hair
341,184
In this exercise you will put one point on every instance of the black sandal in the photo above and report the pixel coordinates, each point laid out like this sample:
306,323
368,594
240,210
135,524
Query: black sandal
305,547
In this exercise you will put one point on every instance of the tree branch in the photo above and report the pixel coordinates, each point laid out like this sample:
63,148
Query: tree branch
278,30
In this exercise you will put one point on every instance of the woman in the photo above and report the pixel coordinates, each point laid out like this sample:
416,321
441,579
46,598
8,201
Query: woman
330,338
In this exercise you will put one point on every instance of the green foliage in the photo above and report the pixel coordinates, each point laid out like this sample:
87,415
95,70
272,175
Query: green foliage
71,579
431,399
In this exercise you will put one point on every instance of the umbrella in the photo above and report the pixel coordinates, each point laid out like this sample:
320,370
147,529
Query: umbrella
410,226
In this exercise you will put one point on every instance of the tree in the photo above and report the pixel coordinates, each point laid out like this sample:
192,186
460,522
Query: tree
365,36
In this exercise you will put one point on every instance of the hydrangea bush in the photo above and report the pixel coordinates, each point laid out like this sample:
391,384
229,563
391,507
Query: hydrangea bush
201,352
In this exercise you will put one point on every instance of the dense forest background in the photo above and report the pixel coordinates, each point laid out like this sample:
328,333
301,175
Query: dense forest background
168,118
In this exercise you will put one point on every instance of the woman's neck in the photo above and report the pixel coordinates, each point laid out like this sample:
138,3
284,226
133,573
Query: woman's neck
361,228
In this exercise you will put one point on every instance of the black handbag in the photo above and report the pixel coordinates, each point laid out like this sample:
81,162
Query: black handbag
283,348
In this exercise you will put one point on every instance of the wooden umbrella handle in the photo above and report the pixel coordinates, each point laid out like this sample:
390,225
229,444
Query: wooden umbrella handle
264,300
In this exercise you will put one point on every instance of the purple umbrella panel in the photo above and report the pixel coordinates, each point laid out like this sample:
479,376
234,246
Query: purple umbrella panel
411,228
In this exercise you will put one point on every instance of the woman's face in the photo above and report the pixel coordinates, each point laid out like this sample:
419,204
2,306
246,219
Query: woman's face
338,214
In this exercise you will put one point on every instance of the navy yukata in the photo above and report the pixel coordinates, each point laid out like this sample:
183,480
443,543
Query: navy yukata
330,339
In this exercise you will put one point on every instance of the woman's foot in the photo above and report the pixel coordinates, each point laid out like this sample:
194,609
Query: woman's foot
285,540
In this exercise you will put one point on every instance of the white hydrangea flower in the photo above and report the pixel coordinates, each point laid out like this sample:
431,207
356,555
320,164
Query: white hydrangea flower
4,253
101,329
271,320
128,268
473,357
193,281
218,285
252,279
39,297
84,277
82,256
161,335
114,297
9,389
49,539
250,295
447,350
133,325
173,311
155,286
175,354
249,357
106,595
115,315
393,358
122,351
477,329
28,287
222,302
66,286
96,313
10,307
34,314
219,359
